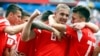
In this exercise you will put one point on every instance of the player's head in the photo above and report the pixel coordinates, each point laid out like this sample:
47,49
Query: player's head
25,17
45,16
62,13
14,14
80,14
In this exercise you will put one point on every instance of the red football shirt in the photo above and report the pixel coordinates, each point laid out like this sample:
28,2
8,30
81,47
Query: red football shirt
12,40
3,38
82,45
28,48
48,45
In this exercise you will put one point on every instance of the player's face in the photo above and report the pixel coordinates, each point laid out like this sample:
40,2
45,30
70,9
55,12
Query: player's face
15,18
76,18
61,16
25,19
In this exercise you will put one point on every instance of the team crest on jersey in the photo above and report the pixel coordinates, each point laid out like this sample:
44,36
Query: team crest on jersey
11,39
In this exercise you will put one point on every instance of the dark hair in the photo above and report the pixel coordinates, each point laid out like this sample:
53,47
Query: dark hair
25,14
46,15
12,8
83,12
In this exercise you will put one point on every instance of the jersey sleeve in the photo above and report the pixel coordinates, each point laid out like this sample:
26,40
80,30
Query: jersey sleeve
37,32
12,40
3,24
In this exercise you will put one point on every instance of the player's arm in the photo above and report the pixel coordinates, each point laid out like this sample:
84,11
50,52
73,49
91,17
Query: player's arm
60,27
10,52
6,52
41,25
51,19
81,25
93,27
27,33
14,29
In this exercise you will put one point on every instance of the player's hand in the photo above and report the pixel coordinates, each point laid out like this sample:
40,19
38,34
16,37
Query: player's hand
35,14
12,51
78,26
21,54
57,33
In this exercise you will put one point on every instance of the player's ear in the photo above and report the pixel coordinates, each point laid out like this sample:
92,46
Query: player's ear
11,14
83,19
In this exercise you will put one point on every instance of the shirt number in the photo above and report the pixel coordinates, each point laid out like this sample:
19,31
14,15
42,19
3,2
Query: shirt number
53,37
90,43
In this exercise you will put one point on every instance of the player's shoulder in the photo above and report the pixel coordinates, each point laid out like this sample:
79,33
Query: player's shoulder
46,31
86,30
4,21
37,31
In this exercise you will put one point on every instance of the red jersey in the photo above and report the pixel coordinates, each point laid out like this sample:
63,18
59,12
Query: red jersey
13,40
82,42
28,48
48,45
3,38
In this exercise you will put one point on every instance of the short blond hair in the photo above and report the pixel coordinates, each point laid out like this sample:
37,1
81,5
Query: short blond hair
64,6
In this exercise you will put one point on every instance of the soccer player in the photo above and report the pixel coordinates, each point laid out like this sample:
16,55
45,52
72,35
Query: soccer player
25,17
81,45
8,28
82,41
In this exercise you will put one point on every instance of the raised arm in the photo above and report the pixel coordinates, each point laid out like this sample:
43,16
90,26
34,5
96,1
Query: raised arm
27,33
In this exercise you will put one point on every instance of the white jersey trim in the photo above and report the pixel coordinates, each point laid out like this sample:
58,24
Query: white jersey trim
79,34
